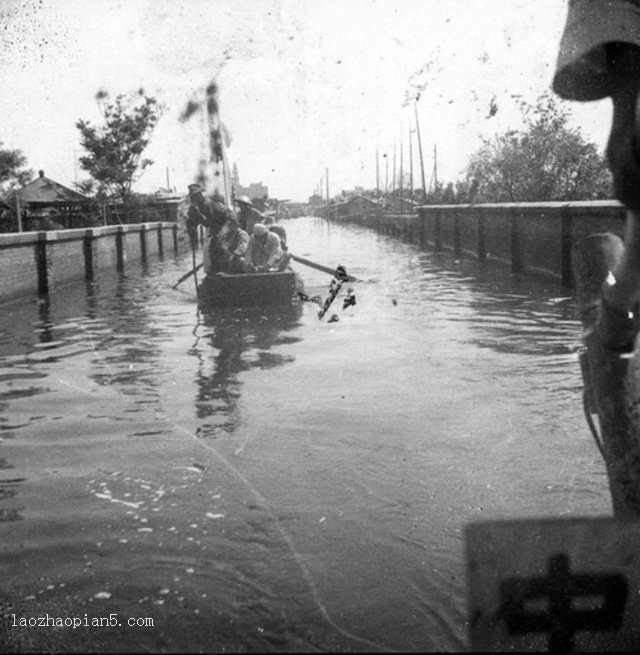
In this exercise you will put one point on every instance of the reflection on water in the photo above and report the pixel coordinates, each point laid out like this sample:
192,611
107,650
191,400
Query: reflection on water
240,339
261,480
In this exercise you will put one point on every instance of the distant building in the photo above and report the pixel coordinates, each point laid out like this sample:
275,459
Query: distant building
356,205
46,204
256,191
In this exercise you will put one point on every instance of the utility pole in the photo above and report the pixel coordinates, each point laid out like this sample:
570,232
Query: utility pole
18,211
401,173
393,179
435,166
424,186
377,175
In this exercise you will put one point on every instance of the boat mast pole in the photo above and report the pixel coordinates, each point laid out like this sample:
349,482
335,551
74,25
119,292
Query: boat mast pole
424,186
386,175
327,177
216,141
410,166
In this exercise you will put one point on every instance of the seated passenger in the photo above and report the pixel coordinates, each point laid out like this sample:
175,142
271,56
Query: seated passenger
264,252
229,248
270,222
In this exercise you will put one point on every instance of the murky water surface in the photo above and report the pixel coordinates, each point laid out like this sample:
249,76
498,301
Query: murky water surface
265,481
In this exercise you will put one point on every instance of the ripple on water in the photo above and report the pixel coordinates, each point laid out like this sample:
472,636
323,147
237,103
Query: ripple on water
260,480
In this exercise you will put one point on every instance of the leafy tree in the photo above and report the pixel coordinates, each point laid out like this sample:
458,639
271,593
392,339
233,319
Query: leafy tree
114,158
547,160
86,187
12,171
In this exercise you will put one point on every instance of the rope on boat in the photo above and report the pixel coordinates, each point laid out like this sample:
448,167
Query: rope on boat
592,426
588,401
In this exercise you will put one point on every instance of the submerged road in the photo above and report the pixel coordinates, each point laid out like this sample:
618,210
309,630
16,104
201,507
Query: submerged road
265,481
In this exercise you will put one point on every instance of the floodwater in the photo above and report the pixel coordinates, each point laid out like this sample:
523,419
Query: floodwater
266,481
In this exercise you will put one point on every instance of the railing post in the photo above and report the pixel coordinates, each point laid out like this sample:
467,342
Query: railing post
160,244
457,248
143,244
119,248
566,240
482,239
41,263
517,263
437,236
87,249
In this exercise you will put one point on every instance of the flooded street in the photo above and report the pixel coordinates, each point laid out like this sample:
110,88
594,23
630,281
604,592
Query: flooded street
260,480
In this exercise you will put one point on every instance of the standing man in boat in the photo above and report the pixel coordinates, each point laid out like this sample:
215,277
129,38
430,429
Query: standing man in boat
249,215
211,215
264,252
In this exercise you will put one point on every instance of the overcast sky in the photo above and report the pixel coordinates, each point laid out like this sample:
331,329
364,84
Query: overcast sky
305,85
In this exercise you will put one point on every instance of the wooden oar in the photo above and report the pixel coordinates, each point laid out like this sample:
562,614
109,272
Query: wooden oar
187,275
319,267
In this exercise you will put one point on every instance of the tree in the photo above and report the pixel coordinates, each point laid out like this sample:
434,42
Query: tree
12,171
114,158
547,160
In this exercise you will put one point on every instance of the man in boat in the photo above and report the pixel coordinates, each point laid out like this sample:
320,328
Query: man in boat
229,248
264,252
270,222
249,215
211,215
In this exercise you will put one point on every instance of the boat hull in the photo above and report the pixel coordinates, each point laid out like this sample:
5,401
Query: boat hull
248,289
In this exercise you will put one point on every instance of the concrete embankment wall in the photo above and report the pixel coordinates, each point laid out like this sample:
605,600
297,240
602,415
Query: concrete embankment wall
531,238
38,262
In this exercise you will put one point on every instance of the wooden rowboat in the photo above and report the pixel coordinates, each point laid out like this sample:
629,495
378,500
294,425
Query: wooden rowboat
248,289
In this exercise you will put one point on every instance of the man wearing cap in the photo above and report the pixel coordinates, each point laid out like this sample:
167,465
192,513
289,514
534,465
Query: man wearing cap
249,215
264,252
211,215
